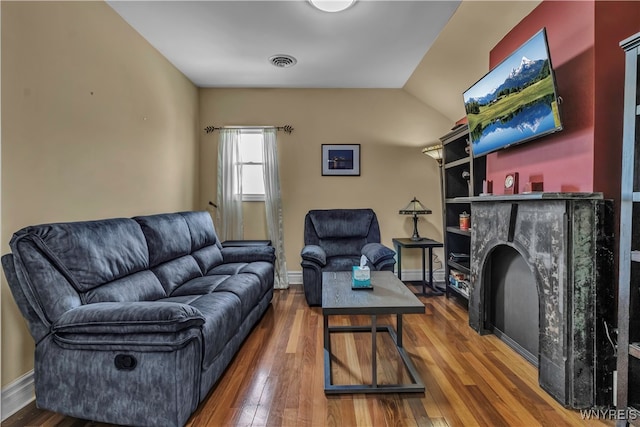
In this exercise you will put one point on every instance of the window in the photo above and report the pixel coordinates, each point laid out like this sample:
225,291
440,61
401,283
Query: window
252,164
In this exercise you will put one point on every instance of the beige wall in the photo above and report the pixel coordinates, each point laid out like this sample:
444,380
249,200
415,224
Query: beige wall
390,125
95,124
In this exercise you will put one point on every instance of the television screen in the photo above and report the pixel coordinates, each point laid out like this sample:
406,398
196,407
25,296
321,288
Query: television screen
516,101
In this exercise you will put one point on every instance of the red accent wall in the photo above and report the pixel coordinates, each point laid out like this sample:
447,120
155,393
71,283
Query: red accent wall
615,21
589,68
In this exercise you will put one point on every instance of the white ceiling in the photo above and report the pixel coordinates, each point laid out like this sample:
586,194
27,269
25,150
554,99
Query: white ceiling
373,44
434,50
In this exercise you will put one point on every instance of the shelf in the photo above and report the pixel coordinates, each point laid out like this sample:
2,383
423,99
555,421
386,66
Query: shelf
458,231
634,350
635,256
459,291
456,163
460,200
462,267
635,196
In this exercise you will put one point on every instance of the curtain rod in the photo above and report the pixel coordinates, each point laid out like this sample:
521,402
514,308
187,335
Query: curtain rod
285,128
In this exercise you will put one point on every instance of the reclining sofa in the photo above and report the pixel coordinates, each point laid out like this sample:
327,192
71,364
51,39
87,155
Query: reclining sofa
136,319
335,239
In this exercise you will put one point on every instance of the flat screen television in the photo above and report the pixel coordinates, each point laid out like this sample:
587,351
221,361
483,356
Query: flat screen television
516,101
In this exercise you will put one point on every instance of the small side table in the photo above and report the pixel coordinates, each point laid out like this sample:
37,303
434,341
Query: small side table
423,244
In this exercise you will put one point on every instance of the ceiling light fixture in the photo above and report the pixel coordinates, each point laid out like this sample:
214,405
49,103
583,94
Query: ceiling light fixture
332,5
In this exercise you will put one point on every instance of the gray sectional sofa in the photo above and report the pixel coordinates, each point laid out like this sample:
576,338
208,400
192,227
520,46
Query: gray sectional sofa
135,320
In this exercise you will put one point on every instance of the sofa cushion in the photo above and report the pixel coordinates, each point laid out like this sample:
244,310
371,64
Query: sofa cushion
140,286
201,229
172,274
89,253
167,236
264,271
247,287
208,257
223,315
228,269
199,285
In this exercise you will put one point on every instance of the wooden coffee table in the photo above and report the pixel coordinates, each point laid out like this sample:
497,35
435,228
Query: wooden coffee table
388,296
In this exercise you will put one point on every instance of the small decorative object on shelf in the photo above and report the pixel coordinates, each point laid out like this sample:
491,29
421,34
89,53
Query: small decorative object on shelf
458,257
487,188
460,281
532,187
465,221
511,183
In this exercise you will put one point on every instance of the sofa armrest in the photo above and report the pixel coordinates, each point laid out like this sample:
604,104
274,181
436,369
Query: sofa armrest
129,318
248,254
315,254
377,253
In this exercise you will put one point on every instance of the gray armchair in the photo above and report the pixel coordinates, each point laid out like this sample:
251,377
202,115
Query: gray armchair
335,239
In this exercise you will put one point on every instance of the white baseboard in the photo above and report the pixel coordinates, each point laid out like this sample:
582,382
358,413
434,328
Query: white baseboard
295,277
17,395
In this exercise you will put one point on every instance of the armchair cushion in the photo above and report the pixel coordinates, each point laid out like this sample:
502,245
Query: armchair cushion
341,223
314,253
376,252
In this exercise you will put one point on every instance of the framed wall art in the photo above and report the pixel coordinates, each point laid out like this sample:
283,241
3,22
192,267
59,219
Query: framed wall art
341,159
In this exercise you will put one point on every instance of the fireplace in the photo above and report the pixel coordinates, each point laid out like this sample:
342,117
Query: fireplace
542,270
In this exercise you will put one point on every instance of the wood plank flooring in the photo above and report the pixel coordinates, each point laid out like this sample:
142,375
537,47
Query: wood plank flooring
276,379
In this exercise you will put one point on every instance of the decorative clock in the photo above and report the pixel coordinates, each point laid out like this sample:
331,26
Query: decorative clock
511,183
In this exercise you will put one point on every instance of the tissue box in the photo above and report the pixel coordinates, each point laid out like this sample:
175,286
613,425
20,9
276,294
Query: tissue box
361,277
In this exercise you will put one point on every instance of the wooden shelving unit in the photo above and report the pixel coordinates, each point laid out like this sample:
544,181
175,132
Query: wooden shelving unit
628,347
457,161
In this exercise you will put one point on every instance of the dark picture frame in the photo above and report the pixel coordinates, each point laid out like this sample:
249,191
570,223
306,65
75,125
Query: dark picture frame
341,159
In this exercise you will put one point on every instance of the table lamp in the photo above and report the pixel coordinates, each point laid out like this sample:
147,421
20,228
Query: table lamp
415,208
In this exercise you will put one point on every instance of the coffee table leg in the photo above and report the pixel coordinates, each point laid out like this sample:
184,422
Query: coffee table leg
327,352
399,330
374,357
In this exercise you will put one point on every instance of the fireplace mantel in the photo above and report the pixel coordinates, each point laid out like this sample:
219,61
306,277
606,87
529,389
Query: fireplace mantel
532,196
566,240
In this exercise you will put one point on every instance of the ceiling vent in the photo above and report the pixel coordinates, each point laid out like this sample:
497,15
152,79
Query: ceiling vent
283,61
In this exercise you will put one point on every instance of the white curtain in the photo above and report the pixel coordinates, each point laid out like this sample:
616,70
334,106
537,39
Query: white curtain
273,206
229,213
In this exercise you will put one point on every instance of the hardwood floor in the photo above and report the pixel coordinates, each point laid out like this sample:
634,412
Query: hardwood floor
276,379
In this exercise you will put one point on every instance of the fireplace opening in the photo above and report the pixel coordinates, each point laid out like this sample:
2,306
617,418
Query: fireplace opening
511,295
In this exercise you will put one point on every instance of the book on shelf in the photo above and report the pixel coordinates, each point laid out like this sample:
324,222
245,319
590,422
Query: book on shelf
458,257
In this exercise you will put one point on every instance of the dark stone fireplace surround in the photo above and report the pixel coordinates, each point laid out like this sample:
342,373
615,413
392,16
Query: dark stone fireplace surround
566,239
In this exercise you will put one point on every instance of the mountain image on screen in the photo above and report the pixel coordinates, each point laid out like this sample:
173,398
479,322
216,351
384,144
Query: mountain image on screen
515,102
518,79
